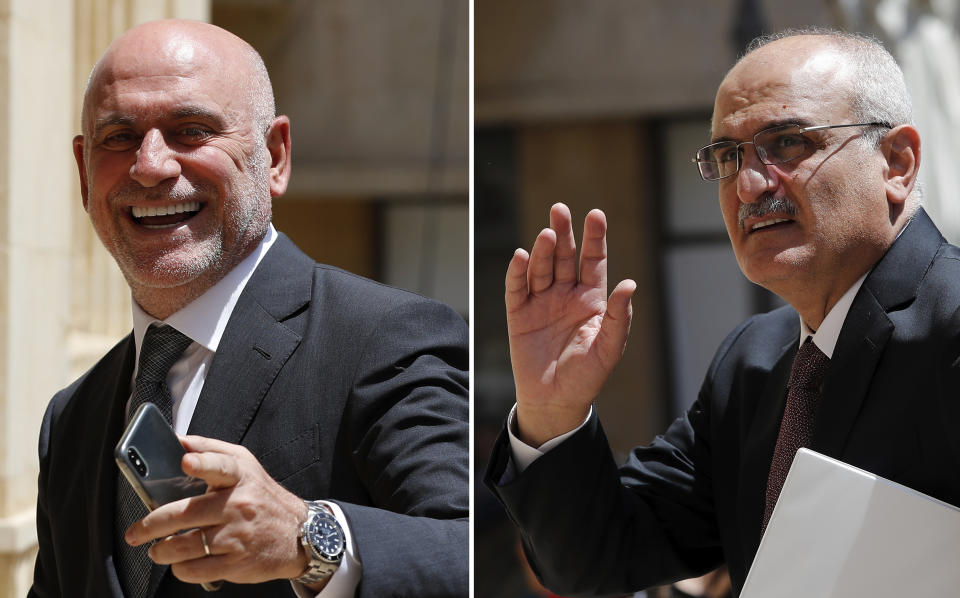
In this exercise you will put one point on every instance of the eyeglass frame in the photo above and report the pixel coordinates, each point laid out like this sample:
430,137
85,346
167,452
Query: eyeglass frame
753,142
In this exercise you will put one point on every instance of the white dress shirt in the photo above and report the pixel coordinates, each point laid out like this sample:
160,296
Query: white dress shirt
204,321
825,338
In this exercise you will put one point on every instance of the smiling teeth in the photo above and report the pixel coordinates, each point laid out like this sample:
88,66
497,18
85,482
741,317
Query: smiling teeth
768,223
190,206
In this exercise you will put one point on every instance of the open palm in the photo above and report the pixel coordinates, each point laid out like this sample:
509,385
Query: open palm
566,336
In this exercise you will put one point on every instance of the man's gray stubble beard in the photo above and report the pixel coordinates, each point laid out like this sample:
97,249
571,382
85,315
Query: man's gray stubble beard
177,270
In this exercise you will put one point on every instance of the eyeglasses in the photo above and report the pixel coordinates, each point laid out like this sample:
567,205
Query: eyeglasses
774,146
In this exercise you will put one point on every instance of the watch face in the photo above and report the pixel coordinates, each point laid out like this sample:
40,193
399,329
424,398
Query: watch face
324,534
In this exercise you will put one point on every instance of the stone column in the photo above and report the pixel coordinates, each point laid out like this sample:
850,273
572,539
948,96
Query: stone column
35,188
62,300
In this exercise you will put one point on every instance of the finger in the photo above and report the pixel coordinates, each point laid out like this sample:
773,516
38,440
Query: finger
194,512
202,444
565,256
181,547
540,269
615,326
593,255
210,568
218,463
218,470
516,280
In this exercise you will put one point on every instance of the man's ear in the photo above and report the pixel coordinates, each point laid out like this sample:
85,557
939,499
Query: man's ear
278,145
901,150
78,156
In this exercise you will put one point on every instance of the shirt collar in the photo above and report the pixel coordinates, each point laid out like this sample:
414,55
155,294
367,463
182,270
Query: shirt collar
825,338
205,318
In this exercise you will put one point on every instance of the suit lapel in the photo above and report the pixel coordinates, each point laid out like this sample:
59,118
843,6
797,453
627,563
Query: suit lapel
247,361
891,286
112,389
863,337
758,448
258,340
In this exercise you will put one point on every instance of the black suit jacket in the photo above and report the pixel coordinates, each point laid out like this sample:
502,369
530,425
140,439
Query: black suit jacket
344,389
694,498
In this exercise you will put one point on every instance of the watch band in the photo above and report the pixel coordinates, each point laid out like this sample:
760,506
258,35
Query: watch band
320,567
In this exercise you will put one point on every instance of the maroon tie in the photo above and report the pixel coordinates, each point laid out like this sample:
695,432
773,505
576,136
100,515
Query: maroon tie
796,427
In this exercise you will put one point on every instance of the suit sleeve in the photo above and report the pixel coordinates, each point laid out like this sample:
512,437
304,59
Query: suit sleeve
589,527
409,433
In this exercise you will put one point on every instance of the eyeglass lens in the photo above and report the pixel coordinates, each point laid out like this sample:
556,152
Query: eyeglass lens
773,146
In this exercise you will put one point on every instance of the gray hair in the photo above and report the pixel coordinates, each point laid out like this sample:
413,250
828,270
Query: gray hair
263,105
878,90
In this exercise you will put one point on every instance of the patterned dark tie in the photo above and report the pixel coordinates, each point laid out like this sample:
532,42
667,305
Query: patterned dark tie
796,427
162,347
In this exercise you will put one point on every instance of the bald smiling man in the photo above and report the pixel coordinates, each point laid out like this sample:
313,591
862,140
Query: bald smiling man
303,394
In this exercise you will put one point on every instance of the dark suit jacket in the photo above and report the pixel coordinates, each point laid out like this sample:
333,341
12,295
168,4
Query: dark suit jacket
344,389
694,499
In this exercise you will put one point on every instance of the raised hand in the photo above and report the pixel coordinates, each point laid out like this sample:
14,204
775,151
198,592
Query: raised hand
566,336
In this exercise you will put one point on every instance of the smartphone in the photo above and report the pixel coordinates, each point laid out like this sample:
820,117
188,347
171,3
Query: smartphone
149,455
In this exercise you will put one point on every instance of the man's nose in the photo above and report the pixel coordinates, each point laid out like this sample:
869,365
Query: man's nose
156,162
755,178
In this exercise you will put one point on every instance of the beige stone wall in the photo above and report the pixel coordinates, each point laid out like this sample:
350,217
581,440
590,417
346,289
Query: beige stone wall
35,113
62,301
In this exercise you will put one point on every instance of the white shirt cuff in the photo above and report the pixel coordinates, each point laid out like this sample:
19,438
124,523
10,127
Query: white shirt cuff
523,454
345,580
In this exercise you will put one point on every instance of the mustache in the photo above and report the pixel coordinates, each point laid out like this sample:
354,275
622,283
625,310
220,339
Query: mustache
177,192
769,204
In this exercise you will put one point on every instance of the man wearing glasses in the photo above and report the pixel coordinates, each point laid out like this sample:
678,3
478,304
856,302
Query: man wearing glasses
816,160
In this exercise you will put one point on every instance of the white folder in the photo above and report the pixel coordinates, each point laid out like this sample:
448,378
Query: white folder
839,531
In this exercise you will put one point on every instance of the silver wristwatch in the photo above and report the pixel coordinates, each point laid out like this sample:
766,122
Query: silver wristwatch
324,541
